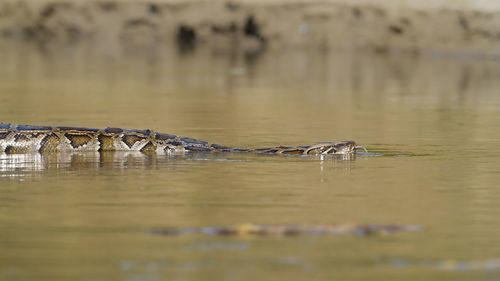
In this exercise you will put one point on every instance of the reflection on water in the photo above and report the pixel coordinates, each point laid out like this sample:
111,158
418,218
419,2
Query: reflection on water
430,125
347,78
16,165
75,160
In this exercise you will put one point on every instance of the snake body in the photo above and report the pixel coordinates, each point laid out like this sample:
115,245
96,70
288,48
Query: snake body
45,139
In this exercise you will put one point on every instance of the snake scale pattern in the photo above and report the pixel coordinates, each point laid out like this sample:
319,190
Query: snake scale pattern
15,139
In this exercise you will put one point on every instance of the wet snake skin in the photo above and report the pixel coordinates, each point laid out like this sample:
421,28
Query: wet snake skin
15,139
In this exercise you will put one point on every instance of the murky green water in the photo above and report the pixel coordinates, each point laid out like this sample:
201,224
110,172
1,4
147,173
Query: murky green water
431,125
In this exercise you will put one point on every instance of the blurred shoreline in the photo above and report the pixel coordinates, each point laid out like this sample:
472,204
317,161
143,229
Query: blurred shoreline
224,26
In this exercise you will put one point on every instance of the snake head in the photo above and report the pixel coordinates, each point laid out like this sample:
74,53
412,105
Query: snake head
343,147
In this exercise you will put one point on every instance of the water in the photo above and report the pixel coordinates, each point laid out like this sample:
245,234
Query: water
430,125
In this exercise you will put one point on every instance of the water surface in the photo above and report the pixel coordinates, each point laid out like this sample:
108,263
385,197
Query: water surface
430,125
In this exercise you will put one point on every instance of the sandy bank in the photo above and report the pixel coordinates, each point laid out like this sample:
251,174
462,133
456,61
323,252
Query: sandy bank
226,25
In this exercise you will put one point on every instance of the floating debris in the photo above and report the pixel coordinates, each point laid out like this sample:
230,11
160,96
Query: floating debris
287,230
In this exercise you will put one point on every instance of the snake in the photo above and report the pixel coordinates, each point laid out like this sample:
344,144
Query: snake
17,139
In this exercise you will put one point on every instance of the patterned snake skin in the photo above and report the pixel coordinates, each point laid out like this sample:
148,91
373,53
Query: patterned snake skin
26,138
